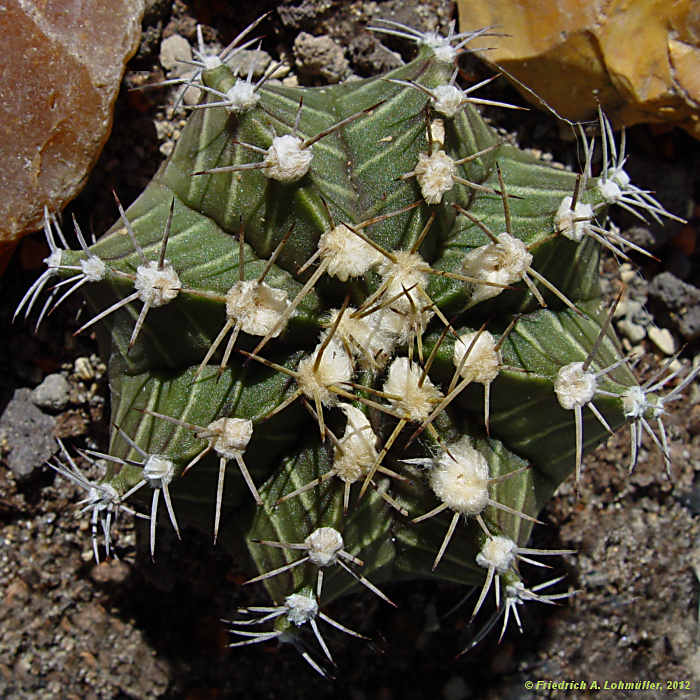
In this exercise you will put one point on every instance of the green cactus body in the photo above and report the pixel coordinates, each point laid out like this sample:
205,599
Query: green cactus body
363,170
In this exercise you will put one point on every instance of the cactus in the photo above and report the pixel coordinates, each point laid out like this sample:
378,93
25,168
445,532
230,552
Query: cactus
353,332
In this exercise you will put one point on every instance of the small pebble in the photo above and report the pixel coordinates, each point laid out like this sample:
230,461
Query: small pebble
633,331
192,93
192,96
637,353
627,273
279,70
628,307
320,56
83,368
111,571
173,51
166,148
694,396
676,366
662,338
241,62
53,393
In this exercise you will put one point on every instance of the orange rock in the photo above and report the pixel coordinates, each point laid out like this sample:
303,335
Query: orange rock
640,59
60,75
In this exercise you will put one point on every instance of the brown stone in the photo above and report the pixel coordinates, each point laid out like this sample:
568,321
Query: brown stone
60,74
112,571
17,591
320,56
638,59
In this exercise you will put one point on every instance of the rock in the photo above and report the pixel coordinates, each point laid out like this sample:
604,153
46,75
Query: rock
192,94
28,434
370,57
174,51
17,592
83,368
242,61
645,238
112,571
53,393
627,273
633,331
639,60
679,302
662,338
320,56
304,14
628,308
60,77
279,70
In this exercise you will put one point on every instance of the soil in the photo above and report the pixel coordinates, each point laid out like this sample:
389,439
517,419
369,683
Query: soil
131,628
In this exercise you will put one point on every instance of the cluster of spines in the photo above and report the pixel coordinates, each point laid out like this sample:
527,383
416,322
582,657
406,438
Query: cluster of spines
395,315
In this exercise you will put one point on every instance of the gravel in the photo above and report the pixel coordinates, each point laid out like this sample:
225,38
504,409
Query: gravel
137,629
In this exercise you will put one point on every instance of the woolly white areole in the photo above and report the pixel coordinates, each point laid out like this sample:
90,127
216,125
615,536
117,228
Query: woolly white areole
435,175
287,160
483,361
256,306
461,481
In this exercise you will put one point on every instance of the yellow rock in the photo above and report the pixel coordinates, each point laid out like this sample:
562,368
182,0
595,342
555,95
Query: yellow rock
640,59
